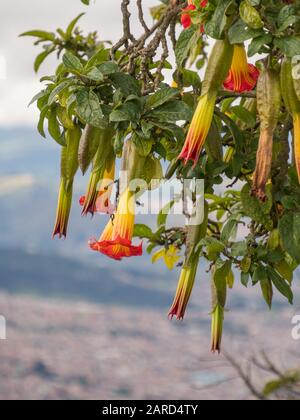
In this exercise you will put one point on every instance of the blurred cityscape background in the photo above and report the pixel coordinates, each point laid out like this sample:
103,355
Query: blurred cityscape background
78,325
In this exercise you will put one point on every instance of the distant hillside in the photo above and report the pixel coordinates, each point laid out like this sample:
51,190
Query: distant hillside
53,276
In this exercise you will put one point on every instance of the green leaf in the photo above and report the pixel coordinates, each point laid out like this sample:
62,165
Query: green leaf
229,230
160,97
281,285
95,74
239,249
59,89
244,115
46,36
143,146
88,108
245,277
285,270
41,58
126,112
72,25
110,67
171,112
72,62
215,26
164,213
289,45
220,275
287,16
258,43
267,290
186,41
126,83
289,228
240,32
142,231
43,115
238,135
255,209
250,15
100,56
53,125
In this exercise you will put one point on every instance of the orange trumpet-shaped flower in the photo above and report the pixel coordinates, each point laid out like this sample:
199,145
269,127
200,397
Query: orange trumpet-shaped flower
103,203
199,129
242,76
116,240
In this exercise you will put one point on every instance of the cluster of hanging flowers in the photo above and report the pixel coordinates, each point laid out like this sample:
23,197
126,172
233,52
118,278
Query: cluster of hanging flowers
227,69
116,239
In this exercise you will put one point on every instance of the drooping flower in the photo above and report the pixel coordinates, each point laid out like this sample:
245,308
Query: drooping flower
217,328
63,208
116,240
195,233
69,167
184,290
199,129
242,76
170,256
103,203
269,103
103,167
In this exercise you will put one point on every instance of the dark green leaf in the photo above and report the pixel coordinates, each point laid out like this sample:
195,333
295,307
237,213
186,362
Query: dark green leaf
88,108
160,97
172,112
240,32
72,62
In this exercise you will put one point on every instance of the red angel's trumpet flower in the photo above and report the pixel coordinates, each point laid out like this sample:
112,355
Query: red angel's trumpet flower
199,129
186,19
242,76
116,240
103,203
216,72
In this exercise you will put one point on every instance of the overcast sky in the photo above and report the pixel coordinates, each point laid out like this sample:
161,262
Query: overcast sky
18,16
